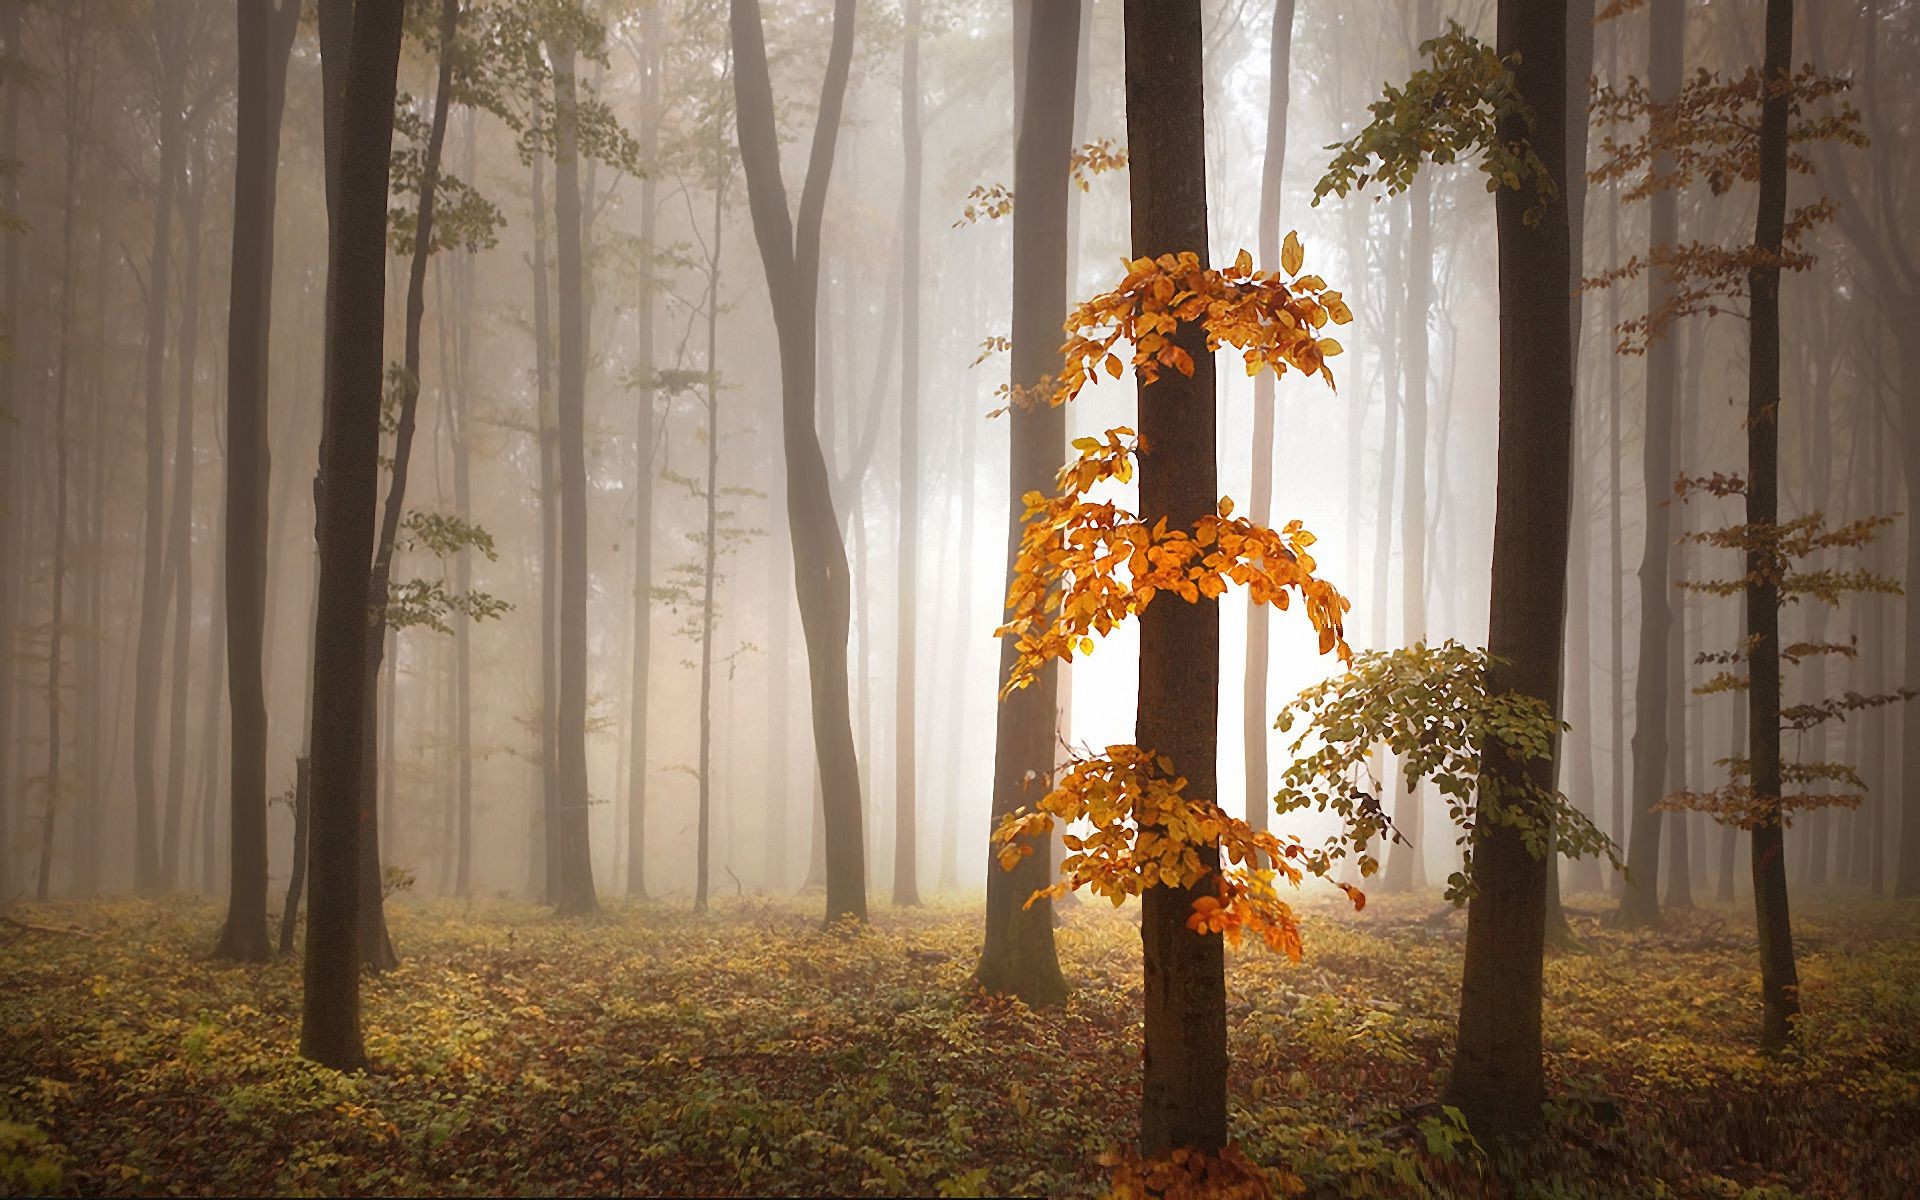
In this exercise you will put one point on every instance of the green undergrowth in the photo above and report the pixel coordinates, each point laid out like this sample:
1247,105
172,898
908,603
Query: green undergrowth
748,1052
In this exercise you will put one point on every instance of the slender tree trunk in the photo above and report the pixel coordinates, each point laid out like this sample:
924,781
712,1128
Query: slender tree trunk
1498,1076
74,53
208,763
458,416
645,369
169,41
1408,813
575,893
11,275
1018,956
545,843
710,548
179,568
1255,723
1184,1089
1639,902
906,845
790,252
1779,980
348,487
1616,566
297,877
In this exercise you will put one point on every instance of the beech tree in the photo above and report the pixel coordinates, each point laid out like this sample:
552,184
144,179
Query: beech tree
266,34
345,492
790,254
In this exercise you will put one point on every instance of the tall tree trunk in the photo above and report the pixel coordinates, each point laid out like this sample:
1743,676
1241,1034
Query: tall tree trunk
347,490
1184,1089
790,252
75,55
644,370
1408,870
575,893
11,275
906,845
1779,980
1255,724
1018,956
179,568
710,546
170,46
458,416
1639,901
545,843
1616,566
1498,1077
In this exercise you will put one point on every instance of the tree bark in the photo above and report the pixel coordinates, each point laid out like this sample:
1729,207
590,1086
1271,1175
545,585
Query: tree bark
348,486
1779,979
11,275
710,546
1639,901
644,369
1018,956
1498,1079
1184,1088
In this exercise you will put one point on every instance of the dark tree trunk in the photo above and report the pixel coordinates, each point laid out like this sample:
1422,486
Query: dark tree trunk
1018,956
1497,1078
790,252
170,47
1256,724
1779,980
11,275
906,845
575,892
1640,900
1184,1088
348,487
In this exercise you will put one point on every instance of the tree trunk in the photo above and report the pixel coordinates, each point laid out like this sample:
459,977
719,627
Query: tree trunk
11,275
790,252
1184,1089
644,370
1256,724
1779,980
1616,566
545,843
170,46
710,547
297,877
1498,1077
458,415
575,893
348,486
1018,957
1639,902
906,845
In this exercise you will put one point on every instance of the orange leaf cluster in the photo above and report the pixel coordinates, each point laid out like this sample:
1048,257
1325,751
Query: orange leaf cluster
1274,322
1188,1174
1085,566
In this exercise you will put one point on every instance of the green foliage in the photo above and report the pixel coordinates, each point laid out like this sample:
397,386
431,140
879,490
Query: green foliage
1449,110
430,603
748,1053
1430,706
444,534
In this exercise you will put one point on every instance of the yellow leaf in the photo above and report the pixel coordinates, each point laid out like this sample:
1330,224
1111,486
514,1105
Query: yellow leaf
1329,347
1226,506
1244,263
1292,256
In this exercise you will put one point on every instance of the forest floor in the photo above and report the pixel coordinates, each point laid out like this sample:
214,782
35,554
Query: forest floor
747,1052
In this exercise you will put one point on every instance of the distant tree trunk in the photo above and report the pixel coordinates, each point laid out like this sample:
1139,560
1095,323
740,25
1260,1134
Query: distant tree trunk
545,843
1406,871
906,846
1640,900
1184,1089
179,569
1679,888
170,53
1498,1077
575,893
11,275
1256,726
458,416
1616,567
1779,980
645,370
348,487
207,764
74,54
1018,956
790,252
710,547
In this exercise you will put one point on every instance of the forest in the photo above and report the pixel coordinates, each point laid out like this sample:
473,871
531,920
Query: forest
1136,598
